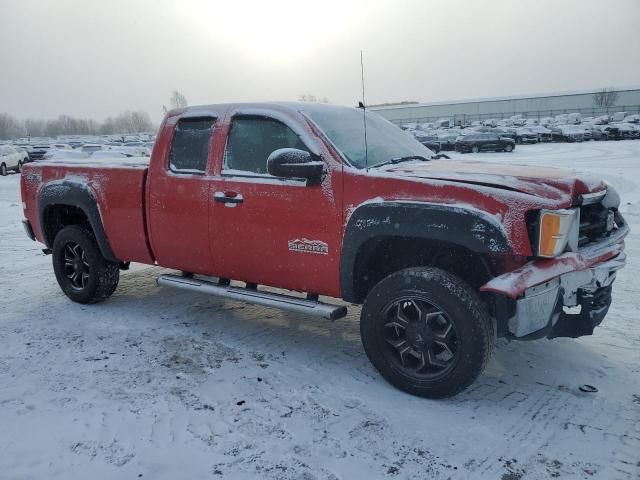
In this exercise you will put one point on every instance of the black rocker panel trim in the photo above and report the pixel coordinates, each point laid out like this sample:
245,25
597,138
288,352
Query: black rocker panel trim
461,226
77,195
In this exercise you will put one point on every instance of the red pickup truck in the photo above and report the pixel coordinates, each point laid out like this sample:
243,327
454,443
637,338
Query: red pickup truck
444,255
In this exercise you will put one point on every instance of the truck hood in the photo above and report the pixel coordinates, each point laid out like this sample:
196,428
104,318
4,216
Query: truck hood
545,182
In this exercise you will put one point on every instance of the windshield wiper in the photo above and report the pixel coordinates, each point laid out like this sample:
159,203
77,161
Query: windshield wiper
393,161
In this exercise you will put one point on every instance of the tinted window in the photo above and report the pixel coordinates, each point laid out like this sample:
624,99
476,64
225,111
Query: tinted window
190,147
253,139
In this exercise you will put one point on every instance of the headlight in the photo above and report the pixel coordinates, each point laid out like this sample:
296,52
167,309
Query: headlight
558,229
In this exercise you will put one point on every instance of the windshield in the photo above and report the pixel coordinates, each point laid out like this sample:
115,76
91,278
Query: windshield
385,141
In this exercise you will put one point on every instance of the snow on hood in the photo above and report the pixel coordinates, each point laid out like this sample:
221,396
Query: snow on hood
546,182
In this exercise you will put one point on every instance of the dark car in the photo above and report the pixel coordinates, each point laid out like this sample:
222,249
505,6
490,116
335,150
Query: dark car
484,142
38,152
432,142
525,135
502,132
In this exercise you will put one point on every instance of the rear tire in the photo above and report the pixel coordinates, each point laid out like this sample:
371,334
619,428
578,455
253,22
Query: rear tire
426,331
82,272
475,149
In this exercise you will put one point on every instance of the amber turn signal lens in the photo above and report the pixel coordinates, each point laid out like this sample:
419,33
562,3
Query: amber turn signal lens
549,230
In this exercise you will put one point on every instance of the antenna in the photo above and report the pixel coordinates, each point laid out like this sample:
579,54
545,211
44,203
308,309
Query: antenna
363,104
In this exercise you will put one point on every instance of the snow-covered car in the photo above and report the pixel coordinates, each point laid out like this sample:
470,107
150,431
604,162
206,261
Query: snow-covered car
526,135
133,151
92,147
67,154
447,139
544,134
593,132
627,130
566,133
431,141
38,151
618,117
108,154
10,159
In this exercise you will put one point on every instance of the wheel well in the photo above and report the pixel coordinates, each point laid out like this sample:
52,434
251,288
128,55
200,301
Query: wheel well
56,217
380,257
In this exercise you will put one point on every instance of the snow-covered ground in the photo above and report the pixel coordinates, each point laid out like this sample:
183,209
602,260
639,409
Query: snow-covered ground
162,384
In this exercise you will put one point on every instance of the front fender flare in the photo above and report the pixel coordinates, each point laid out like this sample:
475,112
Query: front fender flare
464,226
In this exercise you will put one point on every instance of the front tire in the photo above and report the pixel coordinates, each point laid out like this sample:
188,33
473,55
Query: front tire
475,149
3,170
82,272
19,167
508,148
426,331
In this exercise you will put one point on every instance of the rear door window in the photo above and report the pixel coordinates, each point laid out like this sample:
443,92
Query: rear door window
190,146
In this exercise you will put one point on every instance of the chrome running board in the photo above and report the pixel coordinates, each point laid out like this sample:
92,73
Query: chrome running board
257,297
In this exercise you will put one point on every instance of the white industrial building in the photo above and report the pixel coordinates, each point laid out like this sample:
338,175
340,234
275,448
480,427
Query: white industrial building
532,106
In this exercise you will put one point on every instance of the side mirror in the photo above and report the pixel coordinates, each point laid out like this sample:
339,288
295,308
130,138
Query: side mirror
294,163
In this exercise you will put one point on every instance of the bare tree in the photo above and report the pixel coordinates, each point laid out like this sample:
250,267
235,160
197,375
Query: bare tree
126,122
177,100
607,97
10,128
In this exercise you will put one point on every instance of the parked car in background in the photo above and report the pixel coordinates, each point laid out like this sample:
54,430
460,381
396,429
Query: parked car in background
10,159
99,154
432,142
62,154
566,133
627,131
526,135
612,132
483,142
507,132
133,151
543,133
24,156
574,118
38,152
618,117
447,139
593,132
92,147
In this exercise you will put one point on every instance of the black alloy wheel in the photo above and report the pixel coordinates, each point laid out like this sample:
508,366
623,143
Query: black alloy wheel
420,338
76,267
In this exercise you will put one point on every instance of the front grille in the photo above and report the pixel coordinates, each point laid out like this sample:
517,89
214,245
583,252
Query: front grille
593,223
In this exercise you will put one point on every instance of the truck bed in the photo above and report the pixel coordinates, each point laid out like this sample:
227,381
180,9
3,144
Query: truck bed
118,186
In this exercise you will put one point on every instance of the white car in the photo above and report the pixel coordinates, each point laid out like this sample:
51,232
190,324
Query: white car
133,151
69,154
108,154
92,147
10,159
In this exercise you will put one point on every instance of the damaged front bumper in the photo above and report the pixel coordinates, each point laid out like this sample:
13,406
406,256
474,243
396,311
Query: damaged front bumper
563,297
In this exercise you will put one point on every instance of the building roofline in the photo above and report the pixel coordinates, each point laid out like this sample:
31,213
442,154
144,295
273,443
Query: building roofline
498,99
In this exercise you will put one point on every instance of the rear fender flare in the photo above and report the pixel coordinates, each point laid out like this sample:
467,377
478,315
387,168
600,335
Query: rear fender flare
79,195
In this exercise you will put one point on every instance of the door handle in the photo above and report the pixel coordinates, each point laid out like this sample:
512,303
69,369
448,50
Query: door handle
230,199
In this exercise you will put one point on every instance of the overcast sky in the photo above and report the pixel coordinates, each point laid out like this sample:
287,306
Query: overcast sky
97,58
